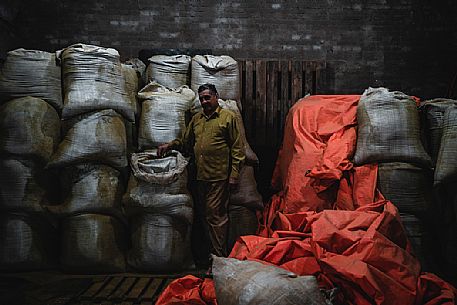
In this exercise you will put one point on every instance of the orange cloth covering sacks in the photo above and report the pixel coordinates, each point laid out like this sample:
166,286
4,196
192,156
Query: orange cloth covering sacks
328,219
189,290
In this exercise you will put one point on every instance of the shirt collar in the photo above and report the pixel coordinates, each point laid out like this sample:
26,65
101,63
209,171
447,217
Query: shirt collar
215,113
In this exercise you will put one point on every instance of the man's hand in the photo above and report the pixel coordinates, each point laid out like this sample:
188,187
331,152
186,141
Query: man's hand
162,149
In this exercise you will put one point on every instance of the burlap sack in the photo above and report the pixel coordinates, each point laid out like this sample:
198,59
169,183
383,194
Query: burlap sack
169,71
433,113
20,187
92,243
29,127
388,129
90,188
97,137
159,186
27,243
131,86
446,164
31,73
253,283
160,243
93,80
163,114
407,186
221,71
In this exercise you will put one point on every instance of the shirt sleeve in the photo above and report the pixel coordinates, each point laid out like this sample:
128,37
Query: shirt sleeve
236,144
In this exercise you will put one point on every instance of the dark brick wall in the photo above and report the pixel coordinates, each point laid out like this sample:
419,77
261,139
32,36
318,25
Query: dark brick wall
8,36
405,45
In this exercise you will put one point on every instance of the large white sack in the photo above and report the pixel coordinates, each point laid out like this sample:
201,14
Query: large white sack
131,86
20,187
253,283
160,243
163,114
221,71
433,114
246,194
389,129
170,71
93,243
90,188
93,80
27,243
446,164
140,69
159,186
31,73
97,137
29,127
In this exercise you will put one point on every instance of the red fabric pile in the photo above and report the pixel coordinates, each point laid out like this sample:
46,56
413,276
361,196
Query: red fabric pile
329,220
189,290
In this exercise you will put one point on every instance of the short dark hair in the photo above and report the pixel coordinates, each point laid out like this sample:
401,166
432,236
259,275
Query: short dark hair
209,87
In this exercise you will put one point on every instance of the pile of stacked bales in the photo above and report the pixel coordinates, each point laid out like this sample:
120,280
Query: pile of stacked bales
81,187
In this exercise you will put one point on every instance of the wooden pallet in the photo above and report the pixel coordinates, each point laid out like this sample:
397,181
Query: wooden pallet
268,89
55,288
122,290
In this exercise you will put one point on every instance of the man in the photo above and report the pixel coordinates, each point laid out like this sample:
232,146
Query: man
214,138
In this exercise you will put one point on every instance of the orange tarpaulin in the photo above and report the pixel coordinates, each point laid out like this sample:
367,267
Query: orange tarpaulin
319,135
362,252
189,290
328,219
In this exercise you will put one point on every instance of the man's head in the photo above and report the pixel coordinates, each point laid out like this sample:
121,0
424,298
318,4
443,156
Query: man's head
208,97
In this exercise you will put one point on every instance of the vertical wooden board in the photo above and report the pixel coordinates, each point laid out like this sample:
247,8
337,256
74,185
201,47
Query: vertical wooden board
272,103
277,95
269,100
296,81
249,101
260,102
309,69
319,78
242,69
284,101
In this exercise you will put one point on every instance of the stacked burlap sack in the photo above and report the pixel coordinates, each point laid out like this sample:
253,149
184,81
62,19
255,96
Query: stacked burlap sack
389,133
177,71
99,107
160,211
440,124
170,71
29,134
157,201
31,73
30,94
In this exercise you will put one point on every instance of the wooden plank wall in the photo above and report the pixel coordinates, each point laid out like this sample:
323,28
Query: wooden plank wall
268,89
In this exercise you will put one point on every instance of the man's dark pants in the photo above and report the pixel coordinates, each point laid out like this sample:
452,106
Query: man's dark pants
211,214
